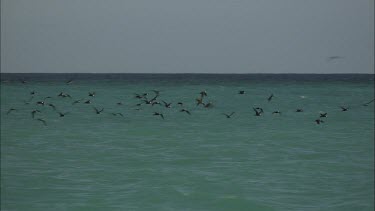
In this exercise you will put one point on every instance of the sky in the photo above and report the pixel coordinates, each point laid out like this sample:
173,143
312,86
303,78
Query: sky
180,36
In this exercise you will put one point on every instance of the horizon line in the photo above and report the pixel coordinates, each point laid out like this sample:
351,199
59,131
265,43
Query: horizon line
196,73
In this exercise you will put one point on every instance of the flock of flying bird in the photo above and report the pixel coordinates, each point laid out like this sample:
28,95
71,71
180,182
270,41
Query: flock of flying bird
144,99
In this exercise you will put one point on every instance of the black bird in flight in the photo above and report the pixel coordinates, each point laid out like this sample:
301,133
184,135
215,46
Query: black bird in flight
167,105
43,121
115,114
203,93
229,115
258,111
241,92
98,111
92,94
270,98
77,101
63,114
318,121
33,112
52,106
344,108
186,111
10,110
159,114
323,114
366,104
69,81
276,112
299,110
331,58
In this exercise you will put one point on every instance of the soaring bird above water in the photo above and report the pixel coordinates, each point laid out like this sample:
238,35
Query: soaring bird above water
229,115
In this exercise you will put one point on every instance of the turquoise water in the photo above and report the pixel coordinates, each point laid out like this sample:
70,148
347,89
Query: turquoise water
204,161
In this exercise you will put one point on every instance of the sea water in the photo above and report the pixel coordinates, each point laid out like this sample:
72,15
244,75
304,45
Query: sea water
202,161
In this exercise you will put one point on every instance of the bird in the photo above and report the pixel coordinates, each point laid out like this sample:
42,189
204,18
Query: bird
241,92
155,103
69,81
77,101
52,106
119,103
33,112
28,101
32,92
92,94
199,101
43,121
63,114
209,105
186,111
203,93
366,104
331,58
229,115
344,108
115,114
40,103
159,114
87,102
167,105
323,114
270,98
23,81
318,121
276,112
180,103
10,110
299,110
98,111
64,95
258,111
157,92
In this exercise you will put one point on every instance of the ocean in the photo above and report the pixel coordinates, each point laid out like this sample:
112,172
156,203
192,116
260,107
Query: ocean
127,158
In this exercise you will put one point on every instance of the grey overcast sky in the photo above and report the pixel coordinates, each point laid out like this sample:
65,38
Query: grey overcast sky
187,36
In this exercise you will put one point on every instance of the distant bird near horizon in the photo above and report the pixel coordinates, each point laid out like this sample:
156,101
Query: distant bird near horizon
323,114
241,92
186,111
159,114
229,115
203,93
10,110
52,106
258,111
98,111
318,121
167,105
366,104
115,114
69,81
33,112
77,101
62,114
344,108
43,121
270,98
331,58
299,110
